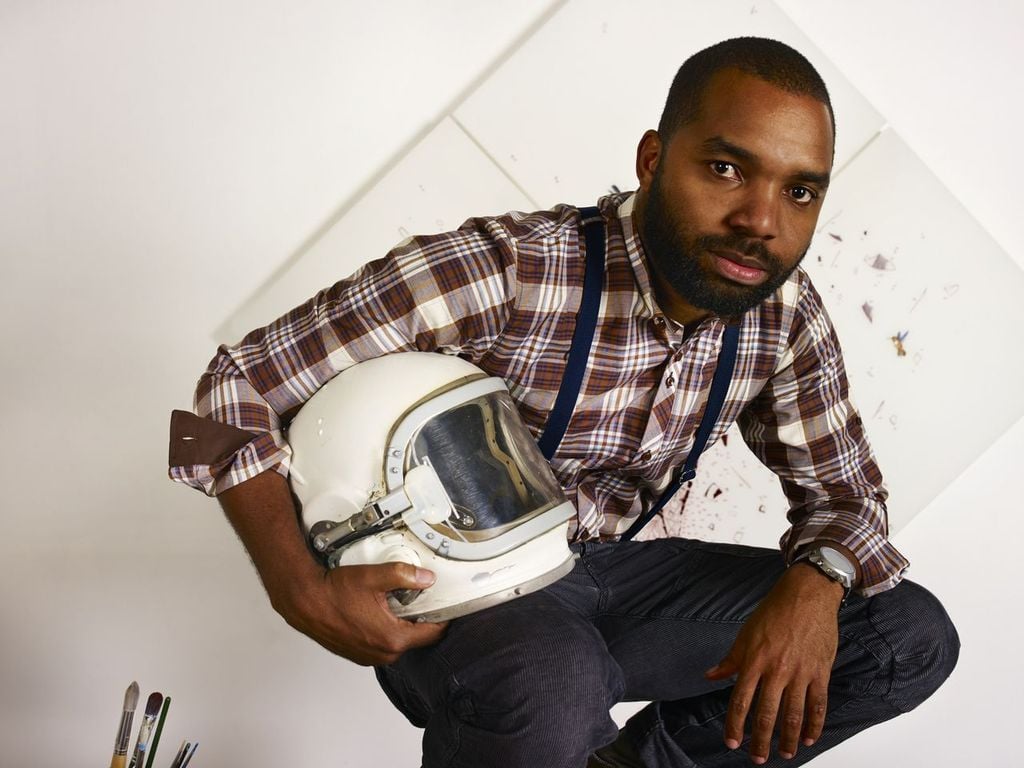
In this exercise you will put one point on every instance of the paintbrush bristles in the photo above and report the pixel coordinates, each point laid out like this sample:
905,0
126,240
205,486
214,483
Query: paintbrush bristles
131,697
153,704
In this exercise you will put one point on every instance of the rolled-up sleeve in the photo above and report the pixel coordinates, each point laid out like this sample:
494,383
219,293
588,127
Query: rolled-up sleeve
805,428
440,293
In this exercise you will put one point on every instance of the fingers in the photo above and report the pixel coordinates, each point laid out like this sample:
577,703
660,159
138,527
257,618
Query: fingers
763,721
817,703
349,613
800,718
739,705
395,635
402,635
784,653
722,670
420,634
791,720
797,710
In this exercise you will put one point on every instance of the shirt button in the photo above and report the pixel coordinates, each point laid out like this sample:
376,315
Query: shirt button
670,382
645,456
678,356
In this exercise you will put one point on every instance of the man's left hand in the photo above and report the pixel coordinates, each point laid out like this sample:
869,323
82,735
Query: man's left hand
784,653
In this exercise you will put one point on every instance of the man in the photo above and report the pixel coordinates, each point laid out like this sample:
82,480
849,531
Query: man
734,646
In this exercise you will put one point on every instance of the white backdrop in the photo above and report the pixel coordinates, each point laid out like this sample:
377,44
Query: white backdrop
162,160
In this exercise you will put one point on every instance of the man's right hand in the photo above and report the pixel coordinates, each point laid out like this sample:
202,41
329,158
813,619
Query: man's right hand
347,612
346,609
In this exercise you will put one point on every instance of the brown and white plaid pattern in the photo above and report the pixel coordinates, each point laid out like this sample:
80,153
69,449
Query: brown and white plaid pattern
503,293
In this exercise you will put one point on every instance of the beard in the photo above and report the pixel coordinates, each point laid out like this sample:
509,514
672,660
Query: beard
675,255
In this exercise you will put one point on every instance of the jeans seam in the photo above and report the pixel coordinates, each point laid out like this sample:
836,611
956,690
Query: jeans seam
672,734
602,590
892,656
453,680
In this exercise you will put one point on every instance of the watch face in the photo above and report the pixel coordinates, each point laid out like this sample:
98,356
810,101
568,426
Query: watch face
837,560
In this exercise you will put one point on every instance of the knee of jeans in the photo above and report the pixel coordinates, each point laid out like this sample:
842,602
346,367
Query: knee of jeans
544,677
925,645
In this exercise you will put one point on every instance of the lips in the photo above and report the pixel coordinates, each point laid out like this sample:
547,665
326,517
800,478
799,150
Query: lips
747,270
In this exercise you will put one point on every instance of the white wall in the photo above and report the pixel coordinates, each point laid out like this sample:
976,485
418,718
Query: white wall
158,161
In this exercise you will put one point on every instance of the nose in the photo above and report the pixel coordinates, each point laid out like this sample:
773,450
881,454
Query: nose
756,212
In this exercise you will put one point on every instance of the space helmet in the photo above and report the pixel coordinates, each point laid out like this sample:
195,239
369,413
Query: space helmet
423,458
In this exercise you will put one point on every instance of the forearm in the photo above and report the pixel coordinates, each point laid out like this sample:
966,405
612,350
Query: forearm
264,517
810,582
345,610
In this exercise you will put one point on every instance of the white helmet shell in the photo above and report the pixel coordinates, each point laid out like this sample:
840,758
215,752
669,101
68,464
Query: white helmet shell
422,458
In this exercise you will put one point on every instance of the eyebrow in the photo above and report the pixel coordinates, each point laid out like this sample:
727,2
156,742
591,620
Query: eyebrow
716,144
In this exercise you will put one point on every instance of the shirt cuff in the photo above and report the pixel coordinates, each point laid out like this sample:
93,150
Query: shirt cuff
881,565
211,456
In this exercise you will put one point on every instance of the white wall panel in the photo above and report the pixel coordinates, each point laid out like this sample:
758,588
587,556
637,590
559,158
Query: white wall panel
565,113
438,184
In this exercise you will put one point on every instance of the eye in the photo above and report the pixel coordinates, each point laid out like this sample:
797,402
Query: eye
803,195
724,170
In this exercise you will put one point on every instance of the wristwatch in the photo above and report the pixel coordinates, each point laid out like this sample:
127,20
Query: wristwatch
833,564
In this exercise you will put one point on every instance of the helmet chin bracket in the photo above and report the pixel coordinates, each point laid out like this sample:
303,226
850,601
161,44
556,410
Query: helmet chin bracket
422,498
373,518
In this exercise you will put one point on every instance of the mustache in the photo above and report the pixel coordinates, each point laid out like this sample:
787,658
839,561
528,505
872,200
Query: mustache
740,244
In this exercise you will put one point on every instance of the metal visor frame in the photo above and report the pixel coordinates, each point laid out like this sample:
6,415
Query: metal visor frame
398,461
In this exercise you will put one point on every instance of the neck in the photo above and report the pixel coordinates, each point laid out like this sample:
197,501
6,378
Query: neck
679,310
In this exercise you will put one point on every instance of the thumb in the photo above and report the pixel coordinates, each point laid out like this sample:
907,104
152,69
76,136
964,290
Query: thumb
389,576
723,669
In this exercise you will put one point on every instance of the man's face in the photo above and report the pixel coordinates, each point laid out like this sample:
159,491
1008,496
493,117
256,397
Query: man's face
728,207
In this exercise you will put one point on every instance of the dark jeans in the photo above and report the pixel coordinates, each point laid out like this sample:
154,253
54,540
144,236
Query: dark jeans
529,683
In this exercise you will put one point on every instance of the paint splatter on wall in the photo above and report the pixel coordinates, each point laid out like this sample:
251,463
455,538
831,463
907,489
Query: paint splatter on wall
885,298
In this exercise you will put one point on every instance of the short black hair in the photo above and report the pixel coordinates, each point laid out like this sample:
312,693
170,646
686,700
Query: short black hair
770,60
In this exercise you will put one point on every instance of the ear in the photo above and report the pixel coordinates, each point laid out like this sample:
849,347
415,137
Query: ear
648,153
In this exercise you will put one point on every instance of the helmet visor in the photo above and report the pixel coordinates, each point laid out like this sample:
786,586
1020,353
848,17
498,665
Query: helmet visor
489,465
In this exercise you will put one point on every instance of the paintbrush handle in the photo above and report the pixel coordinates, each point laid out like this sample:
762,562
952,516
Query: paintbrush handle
124,735
153,742
142,743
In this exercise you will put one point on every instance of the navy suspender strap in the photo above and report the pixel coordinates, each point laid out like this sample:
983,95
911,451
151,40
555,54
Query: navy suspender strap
716,399
583,335
579,353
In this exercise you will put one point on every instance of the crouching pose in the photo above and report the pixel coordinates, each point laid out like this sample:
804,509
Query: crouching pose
629,335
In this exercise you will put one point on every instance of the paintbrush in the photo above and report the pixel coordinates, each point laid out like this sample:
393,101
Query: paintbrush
152,710
124,730
155,741
184,754
176,762
191,752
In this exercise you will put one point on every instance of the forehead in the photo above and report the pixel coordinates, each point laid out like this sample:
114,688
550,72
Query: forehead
771,122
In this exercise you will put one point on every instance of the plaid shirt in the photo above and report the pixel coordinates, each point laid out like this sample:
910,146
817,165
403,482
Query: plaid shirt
503,292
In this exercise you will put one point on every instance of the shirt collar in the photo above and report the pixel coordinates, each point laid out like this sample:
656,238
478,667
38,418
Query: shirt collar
637,257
